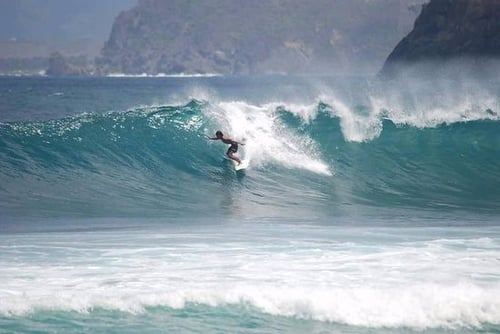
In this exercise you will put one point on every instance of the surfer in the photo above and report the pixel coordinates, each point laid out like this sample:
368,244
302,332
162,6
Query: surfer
232,149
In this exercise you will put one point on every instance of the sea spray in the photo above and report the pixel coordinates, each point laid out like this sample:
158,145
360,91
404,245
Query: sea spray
267,140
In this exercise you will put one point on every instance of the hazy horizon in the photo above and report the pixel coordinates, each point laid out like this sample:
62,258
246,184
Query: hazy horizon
35,28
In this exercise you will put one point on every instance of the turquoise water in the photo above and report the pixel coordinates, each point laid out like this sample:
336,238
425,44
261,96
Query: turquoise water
368,207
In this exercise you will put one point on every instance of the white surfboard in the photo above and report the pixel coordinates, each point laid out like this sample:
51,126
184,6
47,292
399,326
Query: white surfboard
243,165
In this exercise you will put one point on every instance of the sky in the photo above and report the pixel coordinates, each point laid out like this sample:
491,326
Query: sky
59,20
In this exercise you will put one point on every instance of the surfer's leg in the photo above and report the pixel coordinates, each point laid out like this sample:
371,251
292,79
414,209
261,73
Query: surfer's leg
231,155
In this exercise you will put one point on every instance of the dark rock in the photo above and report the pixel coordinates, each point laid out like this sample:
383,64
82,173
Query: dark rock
450,30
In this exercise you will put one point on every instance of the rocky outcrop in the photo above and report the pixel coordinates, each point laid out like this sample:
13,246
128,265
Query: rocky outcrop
241,36
450,30
62,66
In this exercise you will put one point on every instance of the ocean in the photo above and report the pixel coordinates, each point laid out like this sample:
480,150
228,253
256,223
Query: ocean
369,206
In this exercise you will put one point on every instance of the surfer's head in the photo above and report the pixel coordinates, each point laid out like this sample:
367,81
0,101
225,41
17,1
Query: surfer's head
219,134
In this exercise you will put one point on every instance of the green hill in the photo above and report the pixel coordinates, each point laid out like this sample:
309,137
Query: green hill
248,37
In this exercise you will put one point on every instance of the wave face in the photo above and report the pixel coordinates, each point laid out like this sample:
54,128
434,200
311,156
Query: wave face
359,150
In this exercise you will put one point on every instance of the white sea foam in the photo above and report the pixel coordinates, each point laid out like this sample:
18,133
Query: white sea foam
266,138
163,75
347,276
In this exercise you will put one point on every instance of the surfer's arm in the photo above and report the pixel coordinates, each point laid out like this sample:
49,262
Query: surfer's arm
234,142
212,138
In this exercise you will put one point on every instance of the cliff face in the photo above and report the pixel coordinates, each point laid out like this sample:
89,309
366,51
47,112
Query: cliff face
448,30
241,36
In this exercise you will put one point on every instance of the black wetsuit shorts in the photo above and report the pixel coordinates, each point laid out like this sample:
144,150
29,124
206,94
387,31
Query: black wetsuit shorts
233,149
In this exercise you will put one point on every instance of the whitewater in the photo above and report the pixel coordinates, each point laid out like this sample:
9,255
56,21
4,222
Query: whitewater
369,206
